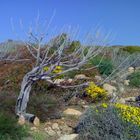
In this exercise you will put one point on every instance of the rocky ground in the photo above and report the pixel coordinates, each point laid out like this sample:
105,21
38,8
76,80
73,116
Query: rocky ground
58,129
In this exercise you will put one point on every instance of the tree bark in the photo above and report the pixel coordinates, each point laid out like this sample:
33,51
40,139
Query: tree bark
23,97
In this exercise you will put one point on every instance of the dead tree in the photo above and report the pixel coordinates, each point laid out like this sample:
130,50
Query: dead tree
48,58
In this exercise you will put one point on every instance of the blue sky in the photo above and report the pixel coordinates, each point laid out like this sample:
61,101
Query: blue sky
121,17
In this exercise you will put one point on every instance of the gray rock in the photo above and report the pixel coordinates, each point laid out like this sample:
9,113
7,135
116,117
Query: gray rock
98,78
81,77
69,137
131,70
130,99
111,90
121,101
55,126
71,111
49,131
126,82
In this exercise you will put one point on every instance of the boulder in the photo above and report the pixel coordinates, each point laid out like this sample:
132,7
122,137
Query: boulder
69,137
110,89
71,111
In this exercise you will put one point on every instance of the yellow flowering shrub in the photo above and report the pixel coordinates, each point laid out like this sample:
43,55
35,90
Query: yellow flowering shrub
95,92
129,113
57,69
46,68
104,105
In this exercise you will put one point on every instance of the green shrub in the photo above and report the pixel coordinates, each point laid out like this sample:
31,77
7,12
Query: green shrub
105,65
40,136
104,123
10,130
131,49
134,79
45,106
7,102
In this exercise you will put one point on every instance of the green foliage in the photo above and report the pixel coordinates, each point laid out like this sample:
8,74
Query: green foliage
10,130
7,102
104,123
39,136
45,106
105,65
131,49
135,79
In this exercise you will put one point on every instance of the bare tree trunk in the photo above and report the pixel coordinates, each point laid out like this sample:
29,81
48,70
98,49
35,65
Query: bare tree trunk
23,97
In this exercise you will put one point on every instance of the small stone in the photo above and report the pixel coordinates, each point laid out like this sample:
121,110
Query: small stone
85,106
81,102
131,70
49,131
69,137
98,78
58,133
71,111
81,77
59,81
55,126
66,129
121,101
21,120
33,128
70,80
130,99
113,81
126,82
36,121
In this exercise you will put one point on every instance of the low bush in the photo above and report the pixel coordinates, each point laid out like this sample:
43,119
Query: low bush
135,79
10,130
105,123
45,106
39,136
131,49
95,92
105,65
7,102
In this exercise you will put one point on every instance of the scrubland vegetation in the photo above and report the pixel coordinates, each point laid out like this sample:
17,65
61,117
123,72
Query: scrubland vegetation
97,86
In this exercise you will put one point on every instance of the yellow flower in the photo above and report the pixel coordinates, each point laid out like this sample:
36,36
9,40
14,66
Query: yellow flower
57,69
97,110
46,68
104,105
129,113
95,92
